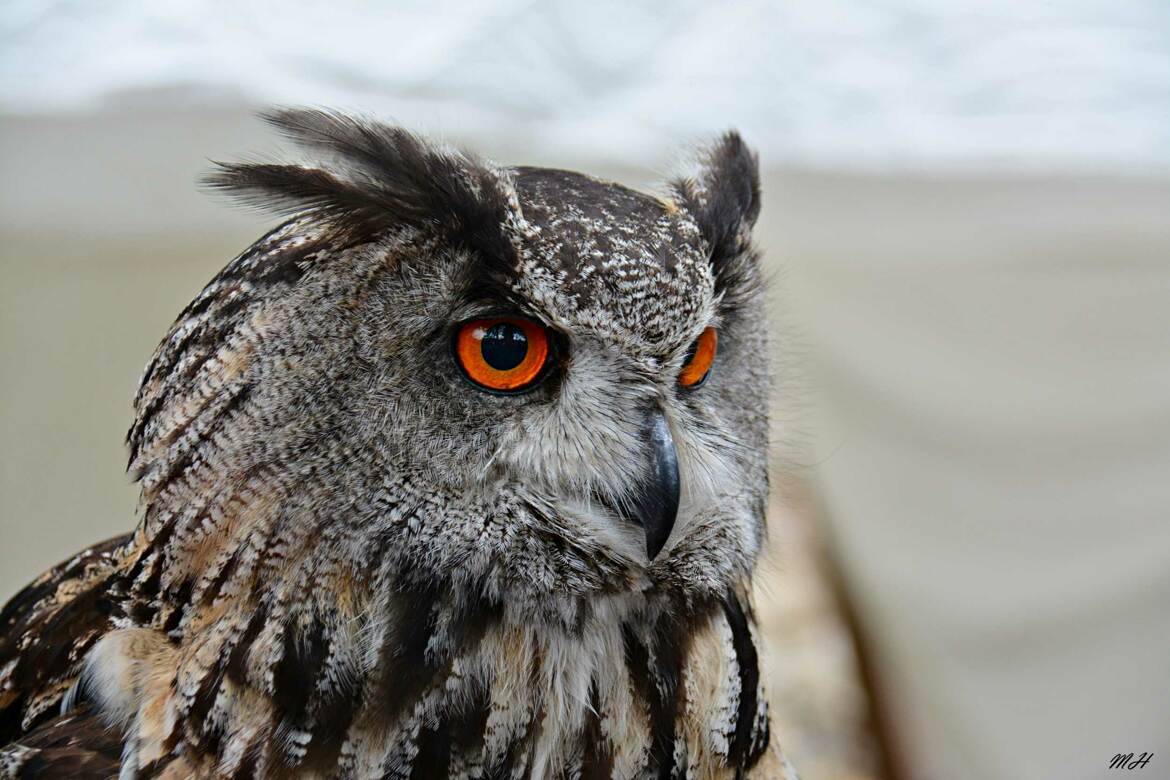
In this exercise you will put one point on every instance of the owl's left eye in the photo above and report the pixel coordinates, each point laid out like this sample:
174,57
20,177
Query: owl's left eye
699,359
502,354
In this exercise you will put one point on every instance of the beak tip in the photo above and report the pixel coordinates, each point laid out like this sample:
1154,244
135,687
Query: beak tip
654,545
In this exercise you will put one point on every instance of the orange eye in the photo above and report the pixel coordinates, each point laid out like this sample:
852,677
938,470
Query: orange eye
699,360
505,354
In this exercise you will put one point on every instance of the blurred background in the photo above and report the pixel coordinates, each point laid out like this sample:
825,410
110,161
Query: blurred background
967,220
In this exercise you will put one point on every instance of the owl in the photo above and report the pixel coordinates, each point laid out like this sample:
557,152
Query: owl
459,472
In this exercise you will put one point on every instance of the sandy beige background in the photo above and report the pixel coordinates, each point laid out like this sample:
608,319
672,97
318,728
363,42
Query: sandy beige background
973,406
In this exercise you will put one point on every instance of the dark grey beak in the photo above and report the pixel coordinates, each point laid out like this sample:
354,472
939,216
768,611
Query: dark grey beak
656,505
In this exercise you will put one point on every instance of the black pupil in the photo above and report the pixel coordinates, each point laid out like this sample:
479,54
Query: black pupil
504,346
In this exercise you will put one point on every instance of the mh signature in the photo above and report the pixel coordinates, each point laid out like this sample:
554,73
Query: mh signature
1127,761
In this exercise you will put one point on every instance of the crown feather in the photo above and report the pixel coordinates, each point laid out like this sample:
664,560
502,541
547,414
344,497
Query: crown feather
723,196
377,177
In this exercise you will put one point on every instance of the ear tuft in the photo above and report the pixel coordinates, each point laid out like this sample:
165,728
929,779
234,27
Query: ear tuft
723,196
375,177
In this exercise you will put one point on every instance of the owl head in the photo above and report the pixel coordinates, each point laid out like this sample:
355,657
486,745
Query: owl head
520,383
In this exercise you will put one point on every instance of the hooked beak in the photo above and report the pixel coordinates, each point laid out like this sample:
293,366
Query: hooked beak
656,505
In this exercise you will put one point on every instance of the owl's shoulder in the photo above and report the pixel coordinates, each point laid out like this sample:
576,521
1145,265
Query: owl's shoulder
45,631
76,744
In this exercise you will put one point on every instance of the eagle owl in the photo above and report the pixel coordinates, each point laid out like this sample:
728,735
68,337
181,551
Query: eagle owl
458,472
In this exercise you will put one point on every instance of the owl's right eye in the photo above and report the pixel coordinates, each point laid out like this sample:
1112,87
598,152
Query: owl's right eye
502,354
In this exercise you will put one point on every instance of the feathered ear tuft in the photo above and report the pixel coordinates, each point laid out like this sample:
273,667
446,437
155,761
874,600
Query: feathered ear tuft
377,177
723,197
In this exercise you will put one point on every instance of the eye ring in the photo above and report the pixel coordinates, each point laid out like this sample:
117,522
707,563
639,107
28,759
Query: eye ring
503,355
697,367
